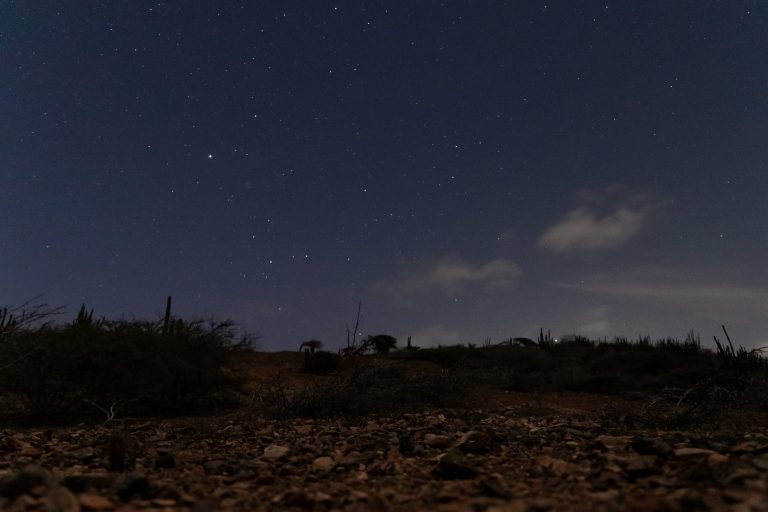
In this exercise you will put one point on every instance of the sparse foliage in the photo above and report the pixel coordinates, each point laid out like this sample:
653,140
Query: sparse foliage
321,362
311,345
131,364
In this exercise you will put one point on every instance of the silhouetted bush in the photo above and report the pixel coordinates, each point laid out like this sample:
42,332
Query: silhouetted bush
364,388
321,363
127,365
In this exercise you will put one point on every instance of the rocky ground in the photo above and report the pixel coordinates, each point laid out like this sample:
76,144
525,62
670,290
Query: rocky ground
514,458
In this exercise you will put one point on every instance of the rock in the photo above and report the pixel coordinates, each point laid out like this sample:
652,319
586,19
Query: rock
476,441
437,440
608,496
323,464
29,450
453,465
303,430
205,506
132,484
761,462
651,446
353,458
96,502
220,467
275,452
61,499
639,466
613,442
295,498
557,467
24,481
164,502
117,452
164,460
753,447
23,503
8,443
739,477
86,454
687,452
405,441
254,465
83,482
494,486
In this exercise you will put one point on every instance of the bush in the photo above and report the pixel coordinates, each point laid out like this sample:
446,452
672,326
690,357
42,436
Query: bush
89,365
321,363
365,388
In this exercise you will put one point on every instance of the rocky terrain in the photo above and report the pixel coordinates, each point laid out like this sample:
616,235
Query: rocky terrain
526,455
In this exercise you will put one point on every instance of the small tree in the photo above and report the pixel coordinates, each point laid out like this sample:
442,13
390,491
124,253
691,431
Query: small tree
383,343
311,346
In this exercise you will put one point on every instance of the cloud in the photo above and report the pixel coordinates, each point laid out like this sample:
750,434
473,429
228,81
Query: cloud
451,274
435,335
595,322
658,290
585,229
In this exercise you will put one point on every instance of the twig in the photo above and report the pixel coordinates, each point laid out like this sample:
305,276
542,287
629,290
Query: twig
110,413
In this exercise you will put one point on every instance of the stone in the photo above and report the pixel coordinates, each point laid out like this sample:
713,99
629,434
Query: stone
613,442
437,440
753,447
132,484
303,430
83,482
96,502
453,465
24,481
639,466
276,452
651,446
117,452
406,446
494,486
555,466
323,464
164,460
476,441
61,499
687,452
352,458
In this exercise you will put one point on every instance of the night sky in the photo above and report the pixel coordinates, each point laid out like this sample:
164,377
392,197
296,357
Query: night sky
467,170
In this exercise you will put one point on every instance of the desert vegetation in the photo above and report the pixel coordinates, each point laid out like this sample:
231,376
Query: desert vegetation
189,415
95,368
115,368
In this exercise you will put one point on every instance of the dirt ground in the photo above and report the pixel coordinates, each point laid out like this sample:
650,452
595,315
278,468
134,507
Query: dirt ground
501,451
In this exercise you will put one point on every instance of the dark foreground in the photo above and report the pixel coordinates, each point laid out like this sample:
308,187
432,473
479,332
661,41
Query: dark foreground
528,455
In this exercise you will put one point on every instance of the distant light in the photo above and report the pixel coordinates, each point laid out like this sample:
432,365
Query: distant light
210,156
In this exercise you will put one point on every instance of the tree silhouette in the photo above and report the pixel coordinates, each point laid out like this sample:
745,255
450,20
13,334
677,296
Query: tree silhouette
311,345
383,343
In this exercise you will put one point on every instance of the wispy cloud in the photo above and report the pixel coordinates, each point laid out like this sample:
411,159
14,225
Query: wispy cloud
434,335
451,274
659,290
594,322
585,228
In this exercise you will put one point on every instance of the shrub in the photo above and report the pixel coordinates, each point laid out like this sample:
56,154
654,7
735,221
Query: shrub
321,363
62,370
365,388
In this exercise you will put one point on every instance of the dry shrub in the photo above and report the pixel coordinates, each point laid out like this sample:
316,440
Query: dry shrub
365,388
69,370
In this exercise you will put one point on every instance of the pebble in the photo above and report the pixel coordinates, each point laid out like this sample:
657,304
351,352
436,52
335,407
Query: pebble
323,464
275,452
